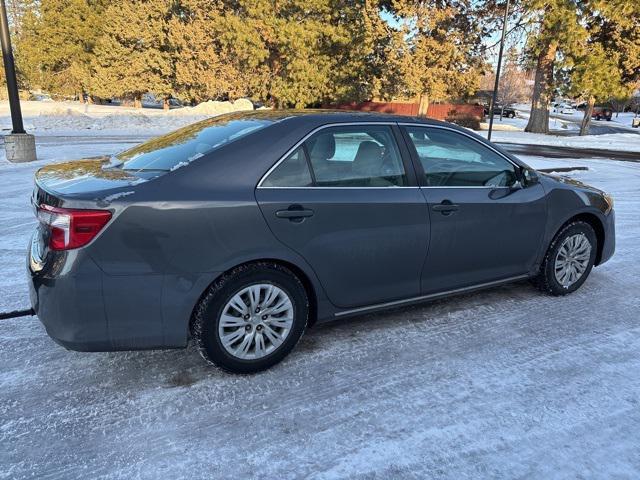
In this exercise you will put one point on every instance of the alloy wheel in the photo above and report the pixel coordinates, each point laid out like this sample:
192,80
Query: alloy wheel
572,259
256,321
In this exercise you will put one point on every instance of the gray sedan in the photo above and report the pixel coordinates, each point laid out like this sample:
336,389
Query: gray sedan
243,230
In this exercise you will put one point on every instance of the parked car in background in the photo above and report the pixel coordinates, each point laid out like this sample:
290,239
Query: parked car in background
246,228
600,113
506,111
564,109
40,97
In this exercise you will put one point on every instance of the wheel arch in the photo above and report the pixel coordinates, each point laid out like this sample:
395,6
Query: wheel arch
597,225
304,278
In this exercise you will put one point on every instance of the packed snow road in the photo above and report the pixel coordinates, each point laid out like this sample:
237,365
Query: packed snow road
506,383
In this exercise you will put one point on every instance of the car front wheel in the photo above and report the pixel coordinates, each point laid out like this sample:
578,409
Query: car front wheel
568,260
251,318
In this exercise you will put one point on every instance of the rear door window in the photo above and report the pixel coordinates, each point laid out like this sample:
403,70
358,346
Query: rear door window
293,171
356,156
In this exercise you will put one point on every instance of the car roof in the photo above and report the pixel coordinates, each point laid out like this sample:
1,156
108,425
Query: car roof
323,116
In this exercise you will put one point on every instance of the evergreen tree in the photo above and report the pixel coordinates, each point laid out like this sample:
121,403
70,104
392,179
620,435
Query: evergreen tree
55,45
205,66
559,32
286,48
134,55
435,54
595,77
568,31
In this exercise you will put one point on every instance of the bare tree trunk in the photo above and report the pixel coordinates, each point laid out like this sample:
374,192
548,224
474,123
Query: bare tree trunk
423,105
542,91
137,101
586,120
165,103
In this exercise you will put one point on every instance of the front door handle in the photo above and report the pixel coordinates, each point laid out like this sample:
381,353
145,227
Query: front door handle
294,213
446,207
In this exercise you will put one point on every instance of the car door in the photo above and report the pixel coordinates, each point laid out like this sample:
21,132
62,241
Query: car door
346,200
485,226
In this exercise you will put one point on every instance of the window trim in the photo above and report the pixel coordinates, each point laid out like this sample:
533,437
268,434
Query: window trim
407,163
418,165
303,151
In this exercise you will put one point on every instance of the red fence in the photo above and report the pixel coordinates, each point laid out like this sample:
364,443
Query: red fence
442,111
439,111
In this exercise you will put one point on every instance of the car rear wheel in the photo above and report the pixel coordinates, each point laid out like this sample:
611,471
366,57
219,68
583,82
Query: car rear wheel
251,318
569,259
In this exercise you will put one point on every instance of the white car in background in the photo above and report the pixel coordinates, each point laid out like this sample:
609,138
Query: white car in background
564,109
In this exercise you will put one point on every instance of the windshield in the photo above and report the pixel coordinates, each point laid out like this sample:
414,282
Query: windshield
178,148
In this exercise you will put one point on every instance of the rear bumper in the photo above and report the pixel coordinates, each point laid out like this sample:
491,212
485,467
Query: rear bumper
70,305
86,310
609,247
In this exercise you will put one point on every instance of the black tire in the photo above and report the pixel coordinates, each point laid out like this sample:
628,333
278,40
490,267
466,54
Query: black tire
546,279
208,313
513,115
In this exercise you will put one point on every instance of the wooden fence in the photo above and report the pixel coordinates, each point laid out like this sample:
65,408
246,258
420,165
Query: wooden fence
439,111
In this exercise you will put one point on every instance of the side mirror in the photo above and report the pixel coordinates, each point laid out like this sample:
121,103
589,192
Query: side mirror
529,177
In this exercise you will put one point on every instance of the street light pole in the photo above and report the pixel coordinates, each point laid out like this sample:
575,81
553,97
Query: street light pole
20,146
497,84
10,72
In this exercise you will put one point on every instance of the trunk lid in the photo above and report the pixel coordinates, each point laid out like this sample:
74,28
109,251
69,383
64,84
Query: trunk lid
87,178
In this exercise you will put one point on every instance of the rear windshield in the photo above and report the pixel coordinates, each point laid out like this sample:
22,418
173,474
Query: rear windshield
178,148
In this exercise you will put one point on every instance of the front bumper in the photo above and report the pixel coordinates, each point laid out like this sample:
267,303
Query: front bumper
609,246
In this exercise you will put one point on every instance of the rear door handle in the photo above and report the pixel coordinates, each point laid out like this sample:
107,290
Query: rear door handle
294,212
446,207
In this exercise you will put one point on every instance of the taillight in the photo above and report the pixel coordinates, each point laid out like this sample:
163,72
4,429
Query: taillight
69,228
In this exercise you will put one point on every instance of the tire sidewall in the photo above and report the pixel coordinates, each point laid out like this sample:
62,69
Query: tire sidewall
208,316
569,230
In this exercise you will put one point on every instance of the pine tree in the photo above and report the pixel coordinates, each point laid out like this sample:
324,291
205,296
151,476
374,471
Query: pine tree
595,77
55,45
205,66
559,32
286,48
435,54
567,33
134,55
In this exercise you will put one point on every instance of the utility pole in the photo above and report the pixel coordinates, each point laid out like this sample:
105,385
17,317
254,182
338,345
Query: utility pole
19,145
497,84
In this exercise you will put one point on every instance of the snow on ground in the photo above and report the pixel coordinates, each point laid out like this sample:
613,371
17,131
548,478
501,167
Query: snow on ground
519,123
624,142
624,118
64,118
511,130
506,383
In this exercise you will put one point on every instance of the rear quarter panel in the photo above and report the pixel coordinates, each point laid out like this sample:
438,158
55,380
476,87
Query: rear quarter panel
176,234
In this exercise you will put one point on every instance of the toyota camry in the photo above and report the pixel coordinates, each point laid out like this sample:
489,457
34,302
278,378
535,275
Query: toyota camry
243,230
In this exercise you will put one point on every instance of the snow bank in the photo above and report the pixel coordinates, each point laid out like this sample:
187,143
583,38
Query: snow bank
213,107
624,142
51,118
499,126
